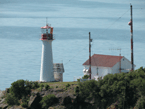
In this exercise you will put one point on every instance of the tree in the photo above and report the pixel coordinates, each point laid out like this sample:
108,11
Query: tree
17,88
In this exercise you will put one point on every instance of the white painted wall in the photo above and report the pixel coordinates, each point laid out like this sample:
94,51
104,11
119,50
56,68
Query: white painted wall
102,71
46,72
125,64
115,68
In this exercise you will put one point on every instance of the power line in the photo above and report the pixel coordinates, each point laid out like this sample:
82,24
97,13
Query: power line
138,8
76,55
99,35
114,22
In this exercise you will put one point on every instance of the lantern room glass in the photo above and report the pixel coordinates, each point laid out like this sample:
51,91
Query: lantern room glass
44,31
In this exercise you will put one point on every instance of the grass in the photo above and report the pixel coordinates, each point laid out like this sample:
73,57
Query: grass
61,85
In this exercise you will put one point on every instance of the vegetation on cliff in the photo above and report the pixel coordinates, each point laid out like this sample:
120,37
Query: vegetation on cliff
122,90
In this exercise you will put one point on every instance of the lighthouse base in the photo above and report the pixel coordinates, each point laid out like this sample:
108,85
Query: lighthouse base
46,72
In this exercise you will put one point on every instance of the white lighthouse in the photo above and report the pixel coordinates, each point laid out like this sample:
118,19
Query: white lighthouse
46,72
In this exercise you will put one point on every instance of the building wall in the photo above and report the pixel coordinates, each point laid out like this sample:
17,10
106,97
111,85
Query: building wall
58,71
115,68
102,71
58,76
125,65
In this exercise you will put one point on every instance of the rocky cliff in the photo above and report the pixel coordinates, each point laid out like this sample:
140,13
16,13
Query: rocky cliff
64,92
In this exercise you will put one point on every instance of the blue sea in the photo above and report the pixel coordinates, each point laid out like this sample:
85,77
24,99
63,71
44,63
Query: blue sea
107,20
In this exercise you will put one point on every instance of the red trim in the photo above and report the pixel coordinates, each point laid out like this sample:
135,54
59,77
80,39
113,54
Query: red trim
47,37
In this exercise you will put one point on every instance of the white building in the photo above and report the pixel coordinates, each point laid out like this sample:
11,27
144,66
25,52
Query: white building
102,65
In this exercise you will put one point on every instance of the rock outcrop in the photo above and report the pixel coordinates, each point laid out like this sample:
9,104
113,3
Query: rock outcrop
66,96
34,100
2,104
1,94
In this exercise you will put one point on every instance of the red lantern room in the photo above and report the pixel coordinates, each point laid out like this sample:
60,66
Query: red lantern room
47,33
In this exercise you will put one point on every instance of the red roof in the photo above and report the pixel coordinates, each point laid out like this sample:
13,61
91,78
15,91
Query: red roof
46,27
103,60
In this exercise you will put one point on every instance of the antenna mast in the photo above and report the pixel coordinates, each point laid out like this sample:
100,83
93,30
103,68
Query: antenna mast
131,27
90,40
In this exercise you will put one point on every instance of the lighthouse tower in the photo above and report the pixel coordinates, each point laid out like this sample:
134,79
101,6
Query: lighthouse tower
46,72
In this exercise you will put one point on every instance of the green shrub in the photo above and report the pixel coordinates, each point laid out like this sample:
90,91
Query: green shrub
28,84
46,86
11,100
48,100
140,103
89,89
76,89
56,86
42,85
35,85
78,80
67,100
67,85
26,98
21,88
51,87
24,104
85,77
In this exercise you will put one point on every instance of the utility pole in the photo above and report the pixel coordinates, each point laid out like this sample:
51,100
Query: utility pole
90,40
131,27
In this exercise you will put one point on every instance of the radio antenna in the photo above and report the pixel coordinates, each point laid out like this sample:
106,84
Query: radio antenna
46,20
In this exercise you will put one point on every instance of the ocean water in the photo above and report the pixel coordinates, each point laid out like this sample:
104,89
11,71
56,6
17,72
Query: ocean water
20,22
